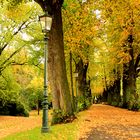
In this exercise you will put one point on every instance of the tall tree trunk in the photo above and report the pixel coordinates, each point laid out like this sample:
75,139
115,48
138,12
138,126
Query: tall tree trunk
84,91
56,62
105,95
130,97
81,68
71,83
115,97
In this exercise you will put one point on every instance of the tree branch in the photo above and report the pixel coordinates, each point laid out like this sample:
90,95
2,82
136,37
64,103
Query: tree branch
3,66
24,25
15,52
16,63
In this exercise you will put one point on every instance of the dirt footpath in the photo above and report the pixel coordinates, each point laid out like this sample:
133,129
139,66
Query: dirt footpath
99,122
10,125
104,122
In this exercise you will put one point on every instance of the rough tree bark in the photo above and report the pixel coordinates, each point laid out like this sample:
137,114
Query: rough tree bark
114,97
81,68
105,92
130,97
56,59
57,68
84,91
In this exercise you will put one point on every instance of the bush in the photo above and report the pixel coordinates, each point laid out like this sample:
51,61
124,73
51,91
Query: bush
60,117
135,106
34,97
83,103
11,104
114,103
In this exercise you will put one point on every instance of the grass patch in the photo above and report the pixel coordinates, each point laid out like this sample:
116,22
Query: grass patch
58,132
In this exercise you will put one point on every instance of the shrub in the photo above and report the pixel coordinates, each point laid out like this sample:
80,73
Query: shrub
83,103
11,104
60,117
114,103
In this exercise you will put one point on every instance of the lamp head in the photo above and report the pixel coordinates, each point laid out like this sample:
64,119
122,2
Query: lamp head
46,22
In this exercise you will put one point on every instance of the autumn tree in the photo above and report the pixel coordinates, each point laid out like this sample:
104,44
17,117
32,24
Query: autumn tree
79,31
16,26
121,20
16,48
57,67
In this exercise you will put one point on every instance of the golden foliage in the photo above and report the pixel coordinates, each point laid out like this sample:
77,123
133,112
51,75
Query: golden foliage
79,29
20,12
122,20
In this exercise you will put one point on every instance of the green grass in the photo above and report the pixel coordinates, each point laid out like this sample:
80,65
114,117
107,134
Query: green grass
58,132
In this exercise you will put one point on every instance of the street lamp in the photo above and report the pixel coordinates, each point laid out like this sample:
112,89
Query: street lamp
46,22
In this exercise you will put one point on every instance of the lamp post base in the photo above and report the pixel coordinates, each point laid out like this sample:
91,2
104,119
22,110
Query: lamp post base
45,127
44,130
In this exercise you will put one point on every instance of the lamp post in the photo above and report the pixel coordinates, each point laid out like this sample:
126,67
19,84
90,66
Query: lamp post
46,22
